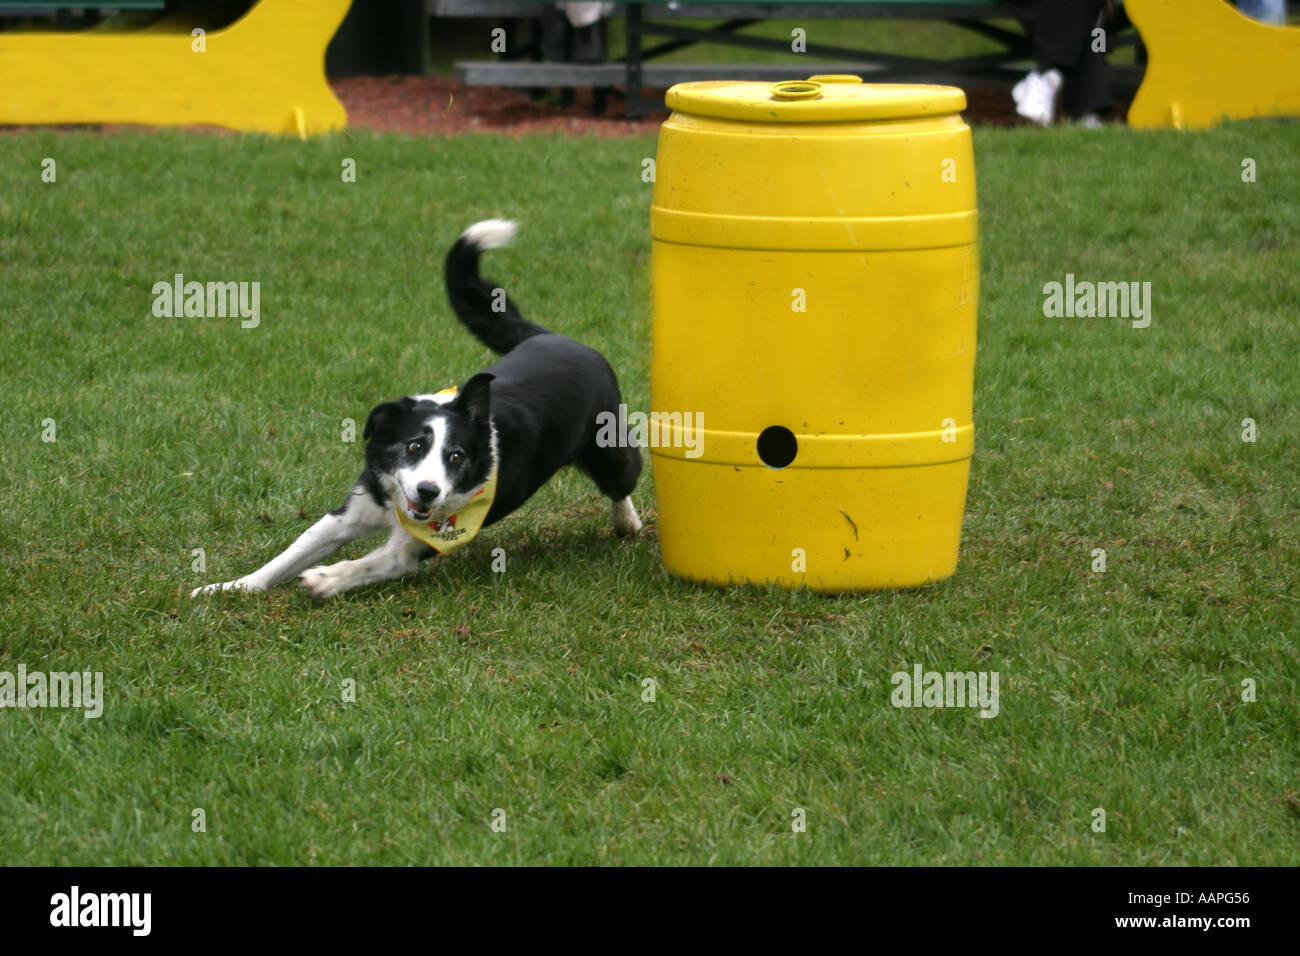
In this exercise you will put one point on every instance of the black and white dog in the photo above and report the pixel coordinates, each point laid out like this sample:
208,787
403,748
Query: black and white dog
486,447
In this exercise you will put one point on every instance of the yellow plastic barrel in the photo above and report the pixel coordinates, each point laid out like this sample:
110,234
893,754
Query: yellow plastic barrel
815,279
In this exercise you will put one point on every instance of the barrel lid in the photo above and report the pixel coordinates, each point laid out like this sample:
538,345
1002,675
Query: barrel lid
826,98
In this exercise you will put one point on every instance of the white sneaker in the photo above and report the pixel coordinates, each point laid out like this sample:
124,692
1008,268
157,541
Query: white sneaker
1018,91
1037,96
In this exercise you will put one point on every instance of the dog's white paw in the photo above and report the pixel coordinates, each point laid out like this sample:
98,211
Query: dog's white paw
623,515
324,581
241,584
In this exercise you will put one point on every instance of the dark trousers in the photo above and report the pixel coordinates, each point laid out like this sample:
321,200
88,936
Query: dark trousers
1060,32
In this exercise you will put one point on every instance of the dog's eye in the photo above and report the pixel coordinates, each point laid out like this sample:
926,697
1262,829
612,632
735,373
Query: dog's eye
415,447
456,457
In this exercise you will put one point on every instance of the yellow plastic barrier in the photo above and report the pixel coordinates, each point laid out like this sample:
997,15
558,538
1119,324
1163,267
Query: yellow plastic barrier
265,72
815,285
1207,62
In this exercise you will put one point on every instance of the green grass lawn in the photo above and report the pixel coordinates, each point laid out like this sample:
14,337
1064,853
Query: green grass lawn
523,690
935,39
928,38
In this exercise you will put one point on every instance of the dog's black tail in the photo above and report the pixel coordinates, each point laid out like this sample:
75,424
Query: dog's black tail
485,309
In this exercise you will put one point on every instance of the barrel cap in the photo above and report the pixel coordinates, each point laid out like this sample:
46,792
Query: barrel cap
820,99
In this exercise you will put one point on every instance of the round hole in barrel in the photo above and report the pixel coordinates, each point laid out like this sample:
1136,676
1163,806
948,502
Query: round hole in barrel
788,90
777,446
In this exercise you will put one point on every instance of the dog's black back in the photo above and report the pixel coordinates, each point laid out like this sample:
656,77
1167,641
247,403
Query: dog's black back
544,397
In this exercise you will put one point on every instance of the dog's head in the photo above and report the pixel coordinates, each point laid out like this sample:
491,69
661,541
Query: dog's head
433,456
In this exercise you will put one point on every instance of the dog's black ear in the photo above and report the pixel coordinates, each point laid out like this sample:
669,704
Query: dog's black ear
382,418
475,398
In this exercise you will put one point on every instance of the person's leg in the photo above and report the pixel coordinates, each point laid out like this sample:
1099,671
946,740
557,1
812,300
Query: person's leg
1060,35
1087,86
1063,33
1035,94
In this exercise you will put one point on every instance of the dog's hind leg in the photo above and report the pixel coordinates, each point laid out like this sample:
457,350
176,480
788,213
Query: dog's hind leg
361,514
400,554
615,471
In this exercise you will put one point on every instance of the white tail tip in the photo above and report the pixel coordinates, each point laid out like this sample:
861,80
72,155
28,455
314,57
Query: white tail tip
490,233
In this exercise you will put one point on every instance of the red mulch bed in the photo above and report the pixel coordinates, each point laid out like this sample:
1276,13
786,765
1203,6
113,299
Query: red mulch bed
436,104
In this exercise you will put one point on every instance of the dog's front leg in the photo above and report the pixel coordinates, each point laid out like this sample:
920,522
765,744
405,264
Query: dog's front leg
360,515
399,555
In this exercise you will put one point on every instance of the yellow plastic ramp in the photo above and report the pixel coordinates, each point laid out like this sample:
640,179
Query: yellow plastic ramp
265,72
1208,62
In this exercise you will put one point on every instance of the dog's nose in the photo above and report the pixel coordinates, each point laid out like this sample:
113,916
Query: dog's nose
427,491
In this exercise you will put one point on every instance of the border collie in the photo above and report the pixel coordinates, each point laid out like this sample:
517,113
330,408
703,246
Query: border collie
440,466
